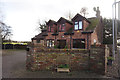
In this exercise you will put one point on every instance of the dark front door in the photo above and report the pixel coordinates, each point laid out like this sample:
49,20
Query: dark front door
62,44
79,43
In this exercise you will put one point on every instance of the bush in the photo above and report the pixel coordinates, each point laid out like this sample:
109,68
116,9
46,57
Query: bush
110,58
55,46
63,66
66,47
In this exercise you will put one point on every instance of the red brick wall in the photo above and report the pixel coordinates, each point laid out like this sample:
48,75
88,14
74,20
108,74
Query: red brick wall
50,36
85,24
51,59
77,35
53,27
94,36
68,26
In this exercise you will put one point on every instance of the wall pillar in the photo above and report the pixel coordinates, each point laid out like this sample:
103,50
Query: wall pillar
45,42
68,43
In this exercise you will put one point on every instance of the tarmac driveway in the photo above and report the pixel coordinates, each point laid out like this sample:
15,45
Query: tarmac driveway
13,66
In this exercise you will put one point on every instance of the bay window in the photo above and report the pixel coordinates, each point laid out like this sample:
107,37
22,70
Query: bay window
50,43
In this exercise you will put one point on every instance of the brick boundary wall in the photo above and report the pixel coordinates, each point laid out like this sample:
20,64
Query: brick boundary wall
97,59
78,60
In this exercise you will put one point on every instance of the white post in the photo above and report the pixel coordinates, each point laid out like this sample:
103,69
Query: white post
113,29
119,48
0,54
119,10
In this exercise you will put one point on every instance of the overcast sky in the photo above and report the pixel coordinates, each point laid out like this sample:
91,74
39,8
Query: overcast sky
23,15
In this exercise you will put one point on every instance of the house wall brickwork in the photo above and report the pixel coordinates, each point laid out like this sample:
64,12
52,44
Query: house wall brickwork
94,37
77,35
85,24
98,33
50,36
68,26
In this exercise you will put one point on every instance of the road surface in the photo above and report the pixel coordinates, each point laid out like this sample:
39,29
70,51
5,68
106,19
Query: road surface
13,66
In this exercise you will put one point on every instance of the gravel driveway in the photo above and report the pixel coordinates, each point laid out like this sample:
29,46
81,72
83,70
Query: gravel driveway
13,66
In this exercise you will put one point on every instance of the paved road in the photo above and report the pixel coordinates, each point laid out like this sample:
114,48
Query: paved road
13,63
14,67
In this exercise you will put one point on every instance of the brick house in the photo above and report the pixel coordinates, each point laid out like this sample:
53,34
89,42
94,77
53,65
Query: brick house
80,32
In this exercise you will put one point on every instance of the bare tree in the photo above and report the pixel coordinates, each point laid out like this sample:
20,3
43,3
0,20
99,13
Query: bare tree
69,15
43,25
5,31
84,11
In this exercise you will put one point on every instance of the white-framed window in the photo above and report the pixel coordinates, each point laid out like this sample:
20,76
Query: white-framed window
63,27
47,43
49,28
50,43
80,24
76,26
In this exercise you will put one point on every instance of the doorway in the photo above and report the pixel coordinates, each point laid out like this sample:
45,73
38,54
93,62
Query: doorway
61,44
79,43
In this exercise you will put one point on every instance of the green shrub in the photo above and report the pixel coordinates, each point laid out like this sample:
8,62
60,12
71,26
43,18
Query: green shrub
110,58
63,66
66,47
55,46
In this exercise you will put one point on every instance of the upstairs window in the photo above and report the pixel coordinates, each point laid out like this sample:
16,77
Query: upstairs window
59,27
78,25
52,29
63,27
49,28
